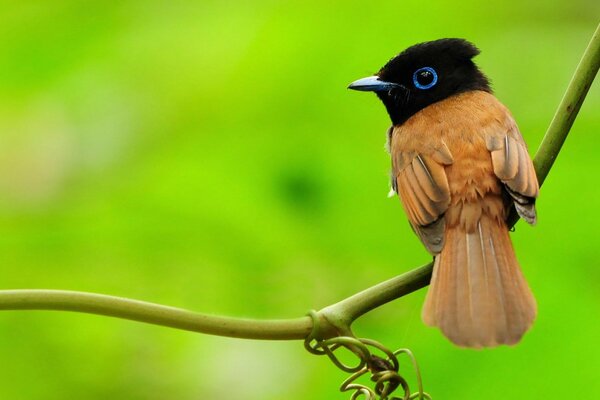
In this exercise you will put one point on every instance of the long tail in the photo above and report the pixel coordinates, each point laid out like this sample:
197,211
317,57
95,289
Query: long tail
478,296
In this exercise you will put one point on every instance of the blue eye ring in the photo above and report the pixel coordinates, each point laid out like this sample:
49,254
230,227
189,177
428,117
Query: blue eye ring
430,84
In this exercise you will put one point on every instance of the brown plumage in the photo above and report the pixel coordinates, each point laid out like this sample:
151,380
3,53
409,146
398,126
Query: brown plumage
450,161
459,163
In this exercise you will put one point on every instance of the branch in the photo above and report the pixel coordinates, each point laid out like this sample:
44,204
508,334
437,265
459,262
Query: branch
156,314
119,307
335,319
566,112
568,108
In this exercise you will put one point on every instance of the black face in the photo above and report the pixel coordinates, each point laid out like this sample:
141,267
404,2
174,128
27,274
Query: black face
424,74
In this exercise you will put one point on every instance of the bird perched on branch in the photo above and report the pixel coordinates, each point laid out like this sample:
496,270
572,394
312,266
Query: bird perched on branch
459,163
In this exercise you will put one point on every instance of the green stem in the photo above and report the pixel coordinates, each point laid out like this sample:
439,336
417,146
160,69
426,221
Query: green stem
568,108
346,311
565,113
278,329
156,314
333,319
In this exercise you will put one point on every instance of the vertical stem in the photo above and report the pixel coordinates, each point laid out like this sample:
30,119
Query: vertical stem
569,107
565,114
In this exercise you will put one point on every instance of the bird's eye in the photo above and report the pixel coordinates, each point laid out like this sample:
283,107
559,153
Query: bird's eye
425,78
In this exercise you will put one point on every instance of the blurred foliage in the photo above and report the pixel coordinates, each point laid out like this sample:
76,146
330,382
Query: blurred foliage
207,155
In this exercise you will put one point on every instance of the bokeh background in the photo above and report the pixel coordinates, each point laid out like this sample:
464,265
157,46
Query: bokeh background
207,155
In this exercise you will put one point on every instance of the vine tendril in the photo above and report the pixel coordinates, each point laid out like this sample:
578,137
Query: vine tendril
384,371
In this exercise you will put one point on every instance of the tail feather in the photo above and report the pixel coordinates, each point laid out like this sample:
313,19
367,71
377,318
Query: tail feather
478,296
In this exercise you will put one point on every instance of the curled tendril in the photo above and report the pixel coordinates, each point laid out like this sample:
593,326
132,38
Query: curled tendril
383,371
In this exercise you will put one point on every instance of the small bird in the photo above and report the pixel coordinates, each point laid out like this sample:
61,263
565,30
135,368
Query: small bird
459,164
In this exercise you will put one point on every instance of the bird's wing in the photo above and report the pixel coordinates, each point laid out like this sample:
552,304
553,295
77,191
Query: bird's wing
513,166
420,181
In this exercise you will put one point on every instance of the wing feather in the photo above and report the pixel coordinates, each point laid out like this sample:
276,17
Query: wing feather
432,177
505,159
423,187
513,166
430,212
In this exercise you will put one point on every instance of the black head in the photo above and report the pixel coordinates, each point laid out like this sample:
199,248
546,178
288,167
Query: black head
424,74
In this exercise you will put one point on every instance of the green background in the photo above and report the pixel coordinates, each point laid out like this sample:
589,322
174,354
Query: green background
207,155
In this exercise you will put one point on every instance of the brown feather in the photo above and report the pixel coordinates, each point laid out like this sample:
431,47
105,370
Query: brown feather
505,159
428,211
453,161
519,182
406,198
432,235
513,166
442,154
492,303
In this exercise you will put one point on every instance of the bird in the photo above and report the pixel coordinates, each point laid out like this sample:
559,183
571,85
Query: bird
459,165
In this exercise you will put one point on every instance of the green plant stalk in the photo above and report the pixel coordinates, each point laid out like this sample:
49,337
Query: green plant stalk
568,108
119,307
156,314
334,319
565,113
343,313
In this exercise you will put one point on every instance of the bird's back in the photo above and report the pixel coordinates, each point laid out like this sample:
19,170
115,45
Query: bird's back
446,176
